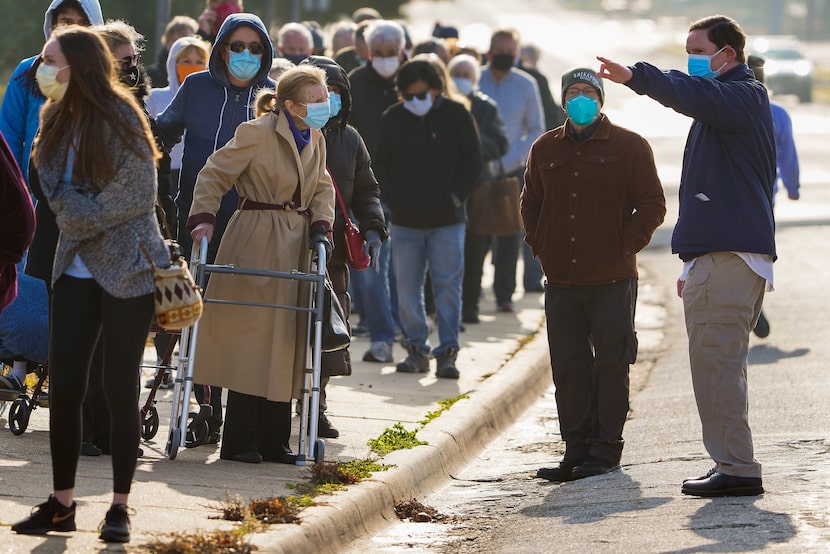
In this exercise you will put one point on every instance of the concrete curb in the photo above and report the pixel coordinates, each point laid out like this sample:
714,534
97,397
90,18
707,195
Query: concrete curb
454,438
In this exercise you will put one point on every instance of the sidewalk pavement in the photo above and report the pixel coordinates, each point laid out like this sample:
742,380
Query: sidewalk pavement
504,368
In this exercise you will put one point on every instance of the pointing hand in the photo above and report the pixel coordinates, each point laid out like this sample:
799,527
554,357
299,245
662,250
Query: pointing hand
613,71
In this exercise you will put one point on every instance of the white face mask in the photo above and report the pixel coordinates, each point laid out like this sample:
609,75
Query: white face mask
464,86
386,67
47,81
419,107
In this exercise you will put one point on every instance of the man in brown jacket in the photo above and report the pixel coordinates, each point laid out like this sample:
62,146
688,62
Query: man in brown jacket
592,200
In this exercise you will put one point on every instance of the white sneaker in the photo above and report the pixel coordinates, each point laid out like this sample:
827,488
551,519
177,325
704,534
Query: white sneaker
379,352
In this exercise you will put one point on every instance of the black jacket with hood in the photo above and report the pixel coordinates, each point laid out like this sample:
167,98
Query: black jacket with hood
349,165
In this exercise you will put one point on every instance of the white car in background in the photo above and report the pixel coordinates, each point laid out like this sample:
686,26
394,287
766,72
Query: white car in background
786,69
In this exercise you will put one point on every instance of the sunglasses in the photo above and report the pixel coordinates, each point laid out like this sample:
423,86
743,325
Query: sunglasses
128,61
420,96
238,46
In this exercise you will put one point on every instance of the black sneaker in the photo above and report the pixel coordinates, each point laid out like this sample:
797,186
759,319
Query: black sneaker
116,524
49,516
325,429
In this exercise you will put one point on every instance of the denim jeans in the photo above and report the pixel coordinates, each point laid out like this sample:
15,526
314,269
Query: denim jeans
376,299
440,249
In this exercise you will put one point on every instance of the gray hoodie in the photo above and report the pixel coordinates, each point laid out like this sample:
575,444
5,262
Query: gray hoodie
91,7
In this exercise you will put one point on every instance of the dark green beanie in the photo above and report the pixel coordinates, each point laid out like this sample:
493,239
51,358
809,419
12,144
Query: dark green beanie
582,75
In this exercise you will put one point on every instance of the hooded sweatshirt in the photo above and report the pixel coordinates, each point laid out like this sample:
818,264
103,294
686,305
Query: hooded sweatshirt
209,108
160,97
22,101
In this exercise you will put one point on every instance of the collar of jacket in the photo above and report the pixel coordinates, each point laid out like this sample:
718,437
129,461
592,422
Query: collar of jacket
602,131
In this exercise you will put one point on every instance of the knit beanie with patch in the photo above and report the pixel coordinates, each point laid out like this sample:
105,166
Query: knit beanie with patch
582,75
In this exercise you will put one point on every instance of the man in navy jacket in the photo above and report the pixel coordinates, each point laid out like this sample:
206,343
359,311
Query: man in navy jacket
724,234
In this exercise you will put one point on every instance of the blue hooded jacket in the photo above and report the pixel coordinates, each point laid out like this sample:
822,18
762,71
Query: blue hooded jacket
207,109
22,101
729,161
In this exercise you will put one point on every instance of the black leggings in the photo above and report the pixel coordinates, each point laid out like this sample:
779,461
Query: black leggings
81,312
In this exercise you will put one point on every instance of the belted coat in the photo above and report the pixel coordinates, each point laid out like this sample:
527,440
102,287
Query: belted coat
256,350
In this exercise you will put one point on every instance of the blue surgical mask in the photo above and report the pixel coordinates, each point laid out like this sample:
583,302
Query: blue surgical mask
700,65
335,102
244,65
317,114
582,109
464,86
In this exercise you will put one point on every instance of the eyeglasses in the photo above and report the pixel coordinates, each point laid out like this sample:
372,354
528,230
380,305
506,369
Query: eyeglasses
420,96
128,61
238,46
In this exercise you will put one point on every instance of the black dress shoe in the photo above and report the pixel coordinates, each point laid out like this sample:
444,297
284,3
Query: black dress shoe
720,484
702,477
560,473
594,466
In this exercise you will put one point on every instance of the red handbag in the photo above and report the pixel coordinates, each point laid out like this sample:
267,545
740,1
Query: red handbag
356,255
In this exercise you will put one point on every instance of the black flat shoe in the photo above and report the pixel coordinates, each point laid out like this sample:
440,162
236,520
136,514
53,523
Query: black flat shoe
593,466
284,457
720,484
560,473
252,457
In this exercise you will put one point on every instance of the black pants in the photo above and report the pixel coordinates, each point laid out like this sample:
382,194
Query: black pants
81,313
256,424
475,250
592,342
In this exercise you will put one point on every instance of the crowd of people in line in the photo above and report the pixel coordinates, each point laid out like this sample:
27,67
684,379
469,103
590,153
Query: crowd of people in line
242,139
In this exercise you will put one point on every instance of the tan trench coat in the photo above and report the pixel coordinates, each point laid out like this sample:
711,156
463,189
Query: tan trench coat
254,350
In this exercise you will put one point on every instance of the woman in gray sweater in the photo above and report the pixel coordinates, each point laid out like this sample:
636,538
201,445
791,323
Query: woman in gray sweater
96,159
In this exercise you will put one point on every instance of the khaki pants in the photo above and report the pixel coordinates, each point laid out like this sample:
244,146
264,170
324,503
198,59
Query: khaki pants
722,299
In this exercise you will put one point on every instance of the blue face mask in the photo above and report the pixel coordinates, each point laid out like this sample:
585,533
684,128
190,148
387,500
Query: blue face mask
582,109
317,114
700,65
335,103
244,65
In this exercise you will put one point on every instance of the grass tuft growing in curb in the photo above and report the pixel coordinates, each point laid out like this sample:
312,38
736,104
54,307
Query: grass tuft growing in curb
394,438
444,405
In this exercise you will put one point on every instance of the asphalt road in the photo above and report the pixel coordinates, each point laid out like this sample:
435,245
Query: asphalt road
495,504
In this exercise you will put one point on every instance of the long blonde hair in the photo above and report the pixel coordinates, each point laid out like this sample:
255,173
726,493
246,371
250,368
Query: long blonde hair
288,88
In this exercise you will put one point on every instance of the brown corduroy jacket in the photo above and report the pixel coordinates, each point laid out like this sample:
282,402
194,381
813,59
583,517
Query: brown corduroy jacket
589,207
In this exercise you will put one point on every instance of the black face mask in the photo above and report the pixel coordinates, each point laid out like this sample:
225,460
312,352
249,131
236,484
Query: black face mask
502,62
130,77
295,58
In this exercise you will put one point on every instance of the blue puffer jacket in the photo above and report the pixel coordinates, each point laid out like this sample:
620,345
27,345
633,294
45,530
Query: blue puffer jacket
209,109
729,161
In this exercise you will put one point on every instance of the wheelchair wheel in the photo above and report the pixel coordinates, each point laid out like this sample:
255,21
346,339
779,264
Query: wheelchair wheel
319,451
173,443
150,424
196,432
19,416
